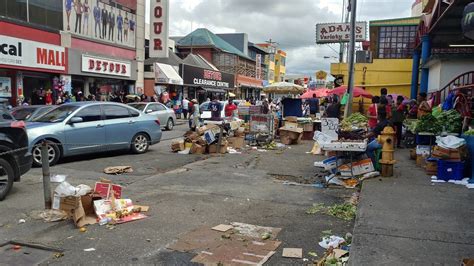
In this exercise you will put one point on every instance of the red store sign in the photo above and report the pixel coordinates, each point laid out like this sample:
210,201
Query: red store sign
105,66
159,28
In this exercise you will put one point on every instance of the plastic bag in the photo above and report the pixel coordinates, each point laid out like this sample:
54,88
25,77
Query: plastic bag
65,190
345,98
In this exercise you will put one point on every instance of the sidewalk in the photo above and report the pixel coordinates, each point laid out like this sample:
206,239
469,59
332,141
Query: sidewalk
406,220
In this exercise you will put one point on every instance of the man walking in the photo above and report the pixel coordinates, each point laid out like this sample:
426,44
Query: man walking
105,19
313,105
185,108
215,108
97,20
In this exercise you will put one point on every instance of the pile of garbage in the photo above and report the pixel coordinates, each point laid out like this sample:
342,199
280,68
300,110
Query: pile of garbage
206,139
86,206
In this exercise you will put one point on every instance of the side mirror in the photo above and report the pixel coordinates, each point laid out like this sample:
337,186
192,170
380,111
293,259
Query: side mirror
75,120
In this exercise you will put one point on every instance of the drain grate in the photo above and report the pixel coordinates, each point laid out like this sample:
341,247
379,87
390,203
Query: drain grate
17,253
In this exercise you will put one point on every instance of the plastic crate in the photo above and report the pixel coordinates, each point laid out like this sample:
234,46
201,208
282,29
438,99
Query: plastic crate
450,170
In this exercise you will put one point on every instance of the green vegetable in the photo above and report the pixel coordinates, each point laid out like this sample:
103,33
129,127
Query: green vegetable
428,123
469,132
315,208
356,120
451,121
345,211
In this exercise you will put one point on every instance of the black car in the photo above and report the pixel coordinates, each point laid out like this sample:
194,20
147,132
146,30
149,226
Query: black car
15,160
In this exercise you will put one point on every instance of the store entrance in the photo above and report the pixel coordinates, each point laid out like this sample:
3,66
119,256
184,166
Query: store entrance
35,86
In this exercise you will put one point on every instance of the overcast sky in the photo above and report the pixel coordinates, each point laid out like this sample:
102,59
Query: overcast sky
291,23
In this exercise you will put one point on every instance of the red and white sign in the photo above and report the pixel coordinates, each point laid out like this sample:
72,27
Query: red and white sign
31,54
258,66
105,66
159,29
340,32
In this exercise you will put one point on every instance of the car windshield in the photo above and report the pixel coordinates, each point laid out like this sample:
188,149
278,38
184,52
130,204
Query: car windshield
57,115
23,113
138,106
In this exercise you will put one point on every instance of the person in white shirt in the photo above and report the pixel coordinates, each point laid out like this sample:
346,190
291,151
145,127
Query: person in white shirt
185,108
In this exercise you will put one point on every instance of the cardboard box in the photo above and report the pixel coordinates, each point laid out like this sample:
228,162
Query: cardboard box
198,149
293,119
454,155
290,136
105,190
308,127
358,168
177,145
290,125
79,209
213,148
236,142
240,132
423,150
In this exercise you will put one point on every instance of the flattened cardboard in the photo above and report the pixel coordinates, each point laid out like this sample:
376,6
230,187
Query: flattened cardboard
222,227
143,208
296,253
80,209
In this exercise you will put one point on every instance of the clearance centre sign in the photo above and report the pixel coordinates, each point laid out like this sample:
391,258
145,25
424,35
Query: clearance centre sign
31,54
340,32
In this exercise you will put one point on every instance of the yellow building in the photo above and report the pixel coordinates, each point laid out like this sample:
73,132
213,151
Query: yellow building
387,63
280,66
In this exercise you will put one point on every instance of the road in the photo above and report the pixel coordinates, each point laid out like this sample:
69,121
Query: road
184,192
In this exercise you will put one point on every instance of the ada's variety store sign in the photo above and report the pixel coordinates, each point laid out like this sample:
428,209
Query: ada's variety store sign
340,32
31,54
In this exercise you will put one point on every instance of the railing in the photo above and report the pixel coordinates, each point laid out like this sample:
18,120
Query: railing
464,81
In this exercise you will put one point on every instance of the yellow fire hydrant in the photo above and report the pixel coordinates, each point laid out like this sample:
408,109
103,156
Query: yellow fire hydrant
387,140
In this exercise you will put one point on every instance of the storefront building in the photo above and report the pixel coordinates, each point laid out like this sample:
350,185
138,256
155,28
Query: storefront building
203,84
32,62
250,88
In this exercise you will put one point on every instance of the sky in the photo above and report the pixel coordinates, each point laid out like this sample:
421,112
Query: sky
290,23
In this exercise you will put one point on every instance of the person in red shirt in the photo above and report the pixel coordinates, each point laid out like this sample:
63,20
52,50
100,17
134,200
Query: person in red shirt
229,108
372,113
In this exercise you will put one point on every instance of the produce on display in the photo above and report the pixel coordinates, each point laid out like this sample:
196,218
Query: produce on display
354,121
469,132
428,124
451,121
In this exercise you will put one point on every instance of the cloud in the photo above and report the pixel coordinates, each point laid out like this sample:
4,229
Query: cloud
290,23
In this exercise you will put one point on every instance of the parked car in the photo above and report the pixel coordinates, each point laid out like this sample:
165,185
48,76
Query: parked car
92,127
5,115
31,112
166,115
15,158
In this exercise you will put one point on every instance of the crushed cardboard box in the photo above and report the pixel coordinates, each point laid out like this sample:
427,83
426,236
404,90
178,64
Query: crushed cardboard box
177,145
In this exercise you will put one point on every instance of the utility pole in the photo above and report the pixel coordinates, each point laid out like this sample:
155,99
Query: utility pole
341,44
350,88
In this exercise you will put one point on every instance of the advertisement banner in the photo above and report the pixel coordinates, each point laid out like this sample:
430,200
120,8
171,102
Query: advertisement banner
26,53
159,29
207,78
66,81
322,75
106,21
5,87
339,32
258,69
105,66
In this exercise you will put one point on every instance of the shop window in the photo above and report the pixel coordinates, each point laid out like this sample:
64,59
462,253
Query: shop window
13,9
393,39
46,13
115,112
90,114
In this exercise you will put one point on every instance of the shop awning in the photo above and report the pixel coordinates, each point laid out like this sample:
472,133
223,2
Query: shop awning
166,74
218,90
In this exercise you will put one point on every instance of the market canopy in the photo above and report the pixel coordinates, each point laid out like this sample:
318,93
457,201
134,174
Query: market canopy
166,74
284,88
321,92
358,92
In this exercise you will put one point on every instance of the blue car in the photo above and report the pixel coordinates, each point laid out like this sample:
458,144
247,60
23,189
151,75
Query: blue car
91,127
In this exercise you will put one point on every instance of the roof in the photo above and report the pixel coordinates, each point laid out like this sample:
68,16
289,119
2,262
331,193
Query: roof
198,61
257,47
204,37
173,60
396,21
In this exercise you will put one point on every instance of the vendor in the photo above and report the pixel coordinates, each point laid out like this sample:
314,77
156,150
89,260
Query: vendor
230,108
424,107
375,132
334,109
372,112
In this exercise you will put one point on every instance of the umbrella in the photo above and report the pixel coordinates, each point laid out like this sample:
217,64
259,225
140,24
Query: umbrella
284,88
322,92
358,92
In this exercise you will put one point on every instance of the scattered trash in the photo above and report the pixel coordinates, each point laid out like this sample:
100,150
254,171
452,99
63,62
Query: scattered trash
345,211
316,208
296,253
148,240
266,236
326,233
16,247
67,190
21,221
89,249
222,227
312,254
58,178
58,255
53,215
354,200
331,242
118,170
185,151
82,229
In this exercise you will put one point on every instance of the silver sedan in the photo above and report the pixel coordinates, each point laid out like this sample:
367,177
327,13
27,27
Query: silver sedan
166,115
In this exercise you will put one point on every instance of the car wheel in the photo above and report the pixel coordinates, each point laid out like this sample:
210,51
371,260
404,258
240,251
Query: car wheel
53,154
7,176
140,143
169,124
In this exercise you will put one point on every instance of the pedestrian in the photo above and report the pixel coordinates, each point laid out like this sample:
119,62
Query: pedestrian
265,106
195,123
185,107
96,13
78,9
215,107
85,12
247,102
412,109
374,133
383,105
334,109
313,105
230,108
372,112
111,24
424,107
383,93
105,20
398,116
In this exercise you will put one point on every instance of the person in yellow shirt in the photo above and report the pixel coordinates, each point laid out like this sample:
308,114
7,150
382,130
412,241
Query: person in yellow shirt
247,102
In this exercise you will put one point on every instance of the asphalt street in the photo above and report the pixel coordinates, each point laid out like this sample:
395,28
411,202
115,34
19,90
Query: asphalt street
184,193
